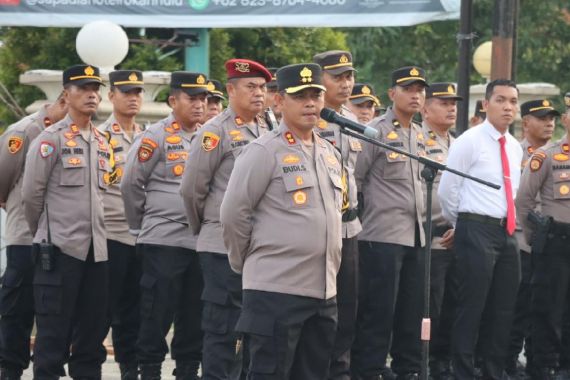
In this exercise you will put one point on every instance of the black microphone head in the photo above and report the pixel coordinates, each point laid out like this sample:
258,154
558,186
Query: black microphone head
328,114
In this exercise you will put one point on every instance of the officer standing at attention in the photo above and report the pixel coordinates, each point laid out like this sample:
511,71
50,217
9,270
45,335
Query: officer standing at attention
270,95
215,100
211,161
546,183
120,130
171,281
16,295
538,117
488,263
281,218
338,79
439,115
363,102
391,254
68,167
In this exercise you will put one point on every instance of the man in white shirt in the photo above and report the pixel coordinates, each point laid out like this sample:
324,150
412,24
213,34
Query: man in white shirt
488,263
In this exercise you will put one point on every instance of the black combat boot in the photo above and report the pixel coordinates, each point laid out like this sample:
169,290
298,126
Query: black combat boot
187,370
10,373
129,371
150,371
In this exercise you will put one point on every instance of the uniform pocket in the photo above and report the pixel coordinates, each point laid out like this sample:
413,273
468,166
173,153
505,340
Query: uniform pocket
148,291
11,291
48,292
73,175
215,318
395,170
561,180
260,329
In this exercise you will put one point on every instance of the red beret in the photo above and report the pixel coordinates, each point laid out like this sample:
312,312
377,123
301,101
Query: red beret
245,68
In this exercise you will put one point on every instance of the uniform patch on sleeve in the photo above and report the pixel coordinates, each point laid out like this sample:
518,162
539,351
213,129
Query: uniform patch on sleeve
15,143
210,141
536,163
146,149
46,149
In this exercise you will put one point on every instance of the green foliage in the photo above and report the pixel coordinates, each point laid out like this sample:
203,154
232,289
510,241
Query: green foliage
220,52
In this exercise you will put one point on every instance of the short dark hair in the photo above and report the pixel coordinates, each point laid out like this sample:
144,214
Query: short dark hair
498,82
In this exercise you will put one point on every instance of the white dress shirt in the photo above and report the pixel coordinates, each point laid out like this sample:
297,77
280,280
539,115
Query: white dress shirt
478,152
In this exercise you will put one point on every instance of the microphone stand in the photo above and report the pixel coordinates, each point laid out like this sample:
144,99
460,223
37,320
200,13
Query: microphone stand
428,173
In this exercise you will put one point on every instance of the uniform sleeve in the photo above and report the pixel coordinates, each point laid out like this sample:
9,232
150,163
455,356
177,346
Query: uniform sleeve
40,161
530,185
12,158
460,158
250,178
201,166
141,160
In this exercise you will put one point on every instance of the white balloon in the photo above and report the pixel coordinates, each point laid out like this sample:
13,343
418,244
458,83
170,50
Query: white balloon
102,43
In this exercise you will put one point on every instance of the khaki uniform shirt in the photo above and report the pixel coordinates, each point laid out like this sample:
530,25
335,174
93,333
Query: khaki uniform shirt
437,149
150,185
527,153
70,174
548,176
349,148
391,184
211,161
14,145
115,220
281,216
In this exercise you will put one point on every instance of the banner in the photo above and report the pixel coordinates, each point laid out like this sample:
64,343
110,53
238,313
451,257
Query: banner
226,13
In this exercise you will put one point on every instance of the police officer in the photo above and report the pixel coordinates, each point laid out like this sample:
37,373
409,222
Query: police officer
215,100
548,177
68,167
210,163
16,296
565,354
171,280
270,95
538,128
439,115
120,130
284,182
363,102
479,115
391,265
338,79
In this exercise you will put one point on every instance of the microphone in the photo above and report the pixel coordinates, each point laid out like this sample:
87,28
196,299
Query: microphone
332,117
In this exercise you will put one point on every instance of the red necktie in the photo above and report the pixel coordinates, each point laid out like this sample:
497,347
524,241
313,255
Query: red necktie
511,222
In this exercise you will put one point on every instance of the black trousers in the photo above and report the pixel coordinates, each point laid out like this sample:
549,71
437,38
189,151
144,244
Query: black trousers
125,268
170,286
71,310
550,301
390,309
488,269
17,307
289,337
443,302
347,303
520,331
222,297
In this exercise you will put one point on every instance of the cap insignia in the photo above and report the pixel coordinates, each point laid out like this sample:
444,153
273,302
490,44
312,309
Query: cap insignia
211,86
343,59
366,90
200,79
89,71
306,75
133,77
546,103
242,67
414,72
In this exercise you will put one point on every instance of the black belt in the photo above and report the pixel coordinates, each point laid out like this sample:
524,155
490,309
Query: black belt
483,219
349,215
438,230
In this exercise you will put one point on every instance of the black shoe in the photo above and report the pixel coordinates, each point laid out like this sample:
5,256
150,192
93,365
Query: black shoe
547,374
150,371
186,370
516,370
129,371
10,373
409,376
387,374
440,370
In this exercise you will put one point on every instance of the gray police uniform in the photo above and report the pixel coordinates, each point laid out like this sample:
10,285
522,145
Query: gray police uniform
442,275
277,189
16,296
347,281
548,176
69,172
171,280
520,329
124,263
211,160
391,265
